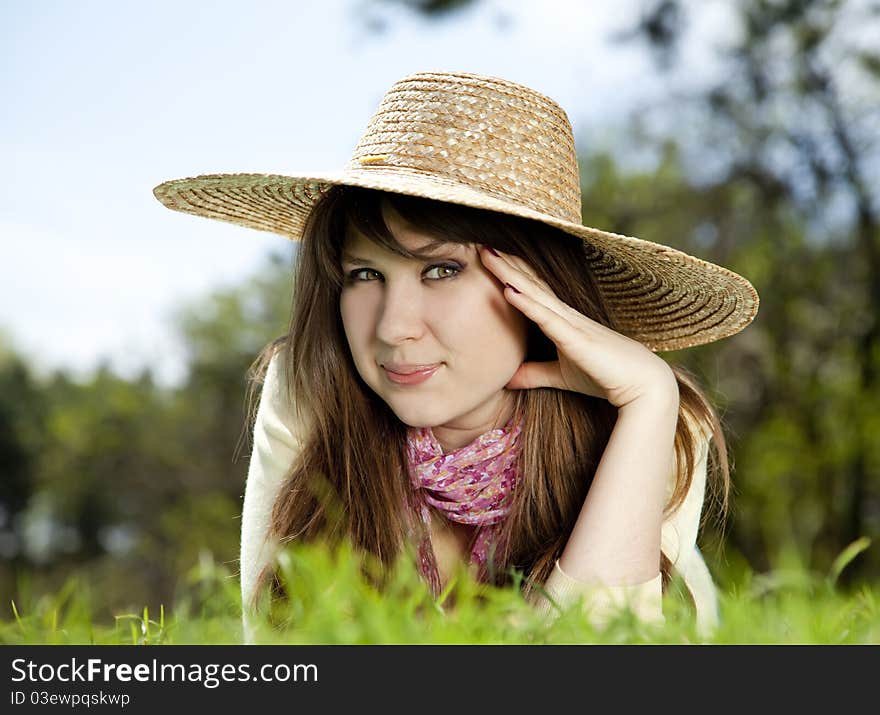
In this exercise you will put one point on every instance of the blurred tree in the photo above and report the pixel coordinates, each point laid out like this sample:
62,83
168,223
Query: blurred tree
222,335
127,483
791,128
22,407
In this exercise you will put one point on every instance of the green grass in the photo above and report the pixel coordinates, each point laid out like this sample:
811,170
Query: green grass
334,604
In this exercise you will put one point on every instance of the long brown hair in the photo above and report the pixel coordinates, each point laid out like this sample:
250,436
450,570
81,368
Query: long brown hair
341,486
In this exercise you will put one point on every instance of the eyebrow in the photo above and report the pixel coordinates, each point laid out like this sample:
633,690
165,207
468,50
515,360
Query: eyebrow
358,261
355,260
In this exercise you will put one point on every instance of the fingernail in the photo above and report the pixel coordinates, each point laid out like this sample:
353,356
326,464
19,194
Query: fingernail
492,251
512,287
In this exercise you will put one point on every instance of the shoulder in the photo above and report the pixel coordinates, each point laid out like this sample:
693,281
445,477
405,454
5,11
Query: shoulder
700,429
273,362
681,524
280,412
701,434
275,394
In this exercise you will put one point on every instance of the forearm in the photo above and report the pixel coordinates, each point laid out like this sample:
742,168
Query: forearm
616,538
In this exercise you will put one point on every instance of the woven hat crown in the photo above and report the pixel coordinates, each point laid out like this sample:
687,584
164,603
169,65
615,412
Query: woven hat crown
491,135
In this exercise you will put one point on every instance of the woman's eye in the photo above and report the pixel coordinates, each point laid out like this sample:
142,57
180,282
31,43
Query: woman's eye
354,275
451,270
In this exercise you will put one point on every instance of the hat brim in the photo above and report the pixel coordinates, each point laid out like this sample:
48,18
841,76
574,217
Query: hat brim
662,297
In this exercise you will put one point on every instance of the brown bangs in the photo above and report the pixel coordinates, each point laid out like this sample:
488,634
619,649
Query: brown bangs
361,210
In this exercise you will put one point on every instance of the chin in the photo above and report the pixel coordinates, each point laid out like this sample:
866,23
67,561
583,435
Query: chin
415,417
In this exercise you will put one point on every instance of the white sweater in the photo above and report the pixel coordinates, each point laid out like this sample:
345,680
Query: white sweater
277,437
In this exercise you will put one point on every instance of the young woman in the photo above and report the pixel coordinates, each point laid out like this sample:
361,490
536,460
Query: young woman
472,371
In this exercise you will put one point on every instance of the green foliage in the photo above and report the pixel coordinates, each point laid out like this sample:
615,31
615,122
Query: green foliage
113,476
333,601
239,320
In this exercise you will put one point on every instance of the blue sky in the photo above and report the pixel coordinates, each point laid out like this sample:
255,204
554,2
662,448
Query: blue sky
104,100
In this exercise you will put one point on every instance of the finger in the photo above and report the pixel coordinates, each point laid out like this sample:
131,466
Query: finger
554,326
537,374
501,265
523,266
515,263
548,374
524,277
520,264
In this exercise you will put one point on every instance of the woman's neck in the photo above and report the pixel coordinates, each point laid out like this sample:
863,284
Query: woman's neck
460,432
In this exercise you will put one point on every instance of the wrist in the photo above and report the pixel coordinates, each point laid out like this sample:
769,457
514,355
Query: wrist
661,399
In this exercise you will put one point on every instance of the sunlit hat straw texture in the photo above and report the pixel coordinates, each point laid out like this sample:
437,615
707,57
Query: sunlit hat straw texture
493,144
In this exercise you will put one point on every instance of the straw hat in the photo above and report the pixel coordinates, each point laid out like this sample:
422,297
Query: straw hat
489,143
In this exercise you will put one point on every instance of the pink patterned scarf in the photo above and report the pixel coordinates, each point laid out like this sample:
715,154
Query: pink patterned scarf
471,485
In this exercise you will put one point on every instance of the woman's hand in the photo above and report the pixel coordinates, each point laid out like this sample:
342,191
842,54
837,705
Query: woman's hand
593,359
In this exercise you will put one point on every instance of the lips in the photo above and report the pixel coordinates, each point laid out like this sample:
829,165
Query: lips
416,373
409,368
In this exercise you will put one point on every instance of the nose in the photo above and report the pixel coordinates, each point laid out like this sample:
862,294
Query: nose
400,313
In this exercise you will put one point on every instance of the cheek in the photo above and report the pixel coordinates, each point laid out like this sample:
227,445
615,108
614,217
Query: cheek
355,314
486,325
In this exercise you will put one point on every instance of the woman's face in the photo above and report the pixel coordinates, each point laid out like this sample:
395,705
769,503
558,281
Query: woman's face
449,312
